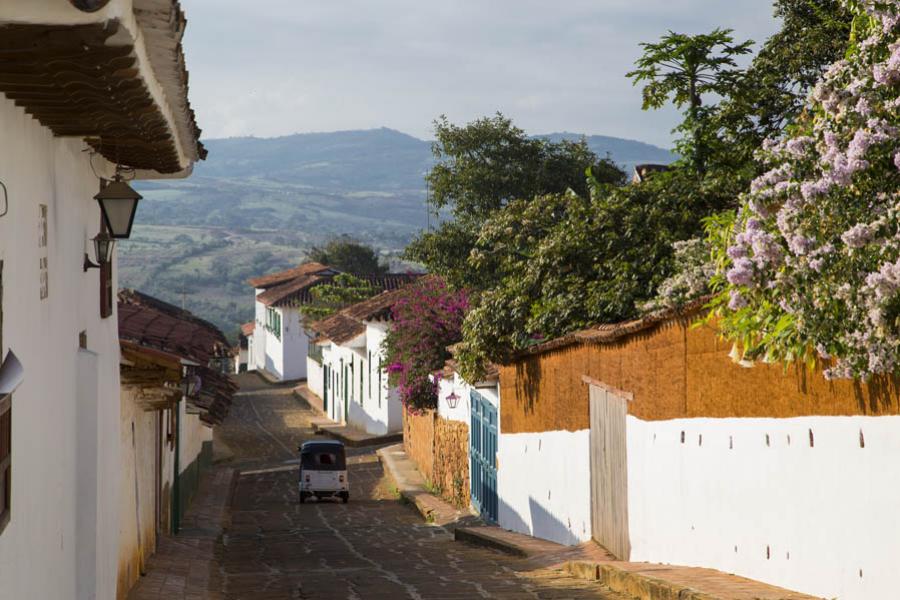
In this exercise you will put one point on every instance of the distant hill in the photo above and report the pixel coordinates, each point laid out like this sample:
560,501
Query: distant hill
257,204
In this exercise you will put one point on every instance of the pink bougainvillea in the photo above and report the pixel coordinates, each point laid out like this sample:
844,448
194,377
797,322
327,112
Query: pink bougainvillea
426,319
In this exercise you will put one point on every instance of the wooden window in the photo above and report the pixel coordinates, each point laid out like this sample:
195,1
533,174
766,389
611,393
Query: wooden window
370,373
361,373
379,383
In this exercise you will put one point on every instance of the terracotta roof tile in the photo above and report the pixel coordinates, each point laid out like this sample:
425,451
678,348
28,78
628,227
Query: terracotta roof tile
338,328
158,325
297,292
248,328
610,333
273,279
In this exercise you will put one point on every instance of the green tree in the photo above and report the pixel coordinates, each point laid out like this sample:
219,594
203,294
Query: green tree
685,68
771,94
483,166
567,262
341,292
347,254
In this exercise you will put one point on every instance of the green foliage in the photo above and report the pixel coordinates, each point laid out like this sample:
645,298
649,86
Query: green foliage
327,299
347,254
770,95
483,166
566,262
683,68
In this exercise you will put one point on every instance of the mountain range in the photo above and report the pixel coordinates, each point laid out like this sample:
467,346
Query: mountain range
257,204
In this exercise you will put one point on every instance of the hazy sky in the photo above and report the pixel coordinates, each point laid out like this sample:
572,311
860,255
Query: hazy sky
276,67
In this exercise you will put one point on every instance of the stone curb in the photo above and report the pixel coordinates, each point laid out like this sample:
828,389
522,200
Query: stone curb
637,585
411,487
268,378
470,536
332,431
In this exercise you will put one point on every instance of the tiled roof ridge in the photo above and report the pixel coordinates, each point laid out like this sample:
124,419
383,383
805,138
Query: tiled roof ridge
609,333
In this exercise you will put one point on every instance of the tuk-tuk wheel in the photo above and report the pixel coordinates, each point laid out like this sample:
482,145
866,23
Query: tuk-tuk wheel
302,497
345,498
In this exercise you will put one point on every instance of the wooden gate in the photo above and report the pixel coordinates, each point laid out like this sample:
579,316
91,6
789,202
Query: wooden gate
609,474
483,456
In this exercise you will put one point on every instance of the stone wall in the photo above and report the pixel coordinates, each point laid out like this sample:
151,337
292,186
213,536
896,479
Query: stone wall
440,448
418,440
451,461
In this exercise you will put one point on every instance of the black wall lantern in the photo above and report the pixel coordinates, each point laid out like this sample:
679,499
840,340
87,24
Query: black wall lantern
89,5
118,203
103,249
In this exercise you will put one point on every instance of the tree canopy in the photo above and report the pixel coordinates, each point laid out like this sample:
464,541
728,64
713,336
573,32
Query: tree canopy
349,255
483,166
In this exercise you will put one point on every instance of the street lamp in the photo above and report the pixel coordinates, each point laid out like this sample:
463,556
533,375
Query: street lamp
103,248
452,400
118,203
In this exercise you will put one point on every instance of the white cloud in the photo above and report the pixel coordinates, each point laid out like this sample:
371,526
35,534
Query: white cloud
275,67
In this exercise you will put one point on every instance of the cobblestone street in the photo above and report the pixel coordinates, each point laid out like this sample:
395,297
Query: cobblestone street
375,547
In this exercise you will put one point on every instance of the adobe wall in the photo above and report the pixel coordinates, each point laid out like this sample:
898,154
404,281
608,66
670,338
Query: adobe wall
451,461
418,441
676,371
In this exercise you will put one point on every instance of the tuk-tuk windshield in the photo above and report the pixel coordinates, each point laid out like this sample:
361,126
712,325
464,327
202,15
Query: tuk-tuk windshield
323,458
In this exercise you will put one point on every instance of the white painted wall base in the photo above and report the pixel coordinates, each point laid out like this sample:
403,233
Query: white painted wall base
543,481
753,497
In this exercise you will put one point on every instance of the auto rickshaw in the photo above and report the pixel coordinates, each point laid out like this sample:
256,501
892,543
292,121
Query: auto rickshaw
323,470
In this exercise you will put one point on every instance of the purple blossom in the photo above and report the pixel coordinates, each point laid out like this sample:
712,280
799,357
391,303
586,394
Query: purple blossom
736,300
741,273
858,236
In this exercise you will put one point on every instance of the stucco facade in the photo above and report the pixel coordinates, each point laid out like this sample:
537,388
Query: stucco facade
65,427
771,473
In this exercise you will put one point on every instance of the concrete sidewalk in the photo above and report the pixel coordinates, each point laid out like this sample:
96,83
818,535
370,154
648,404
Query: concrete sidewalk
643,581
185,566
350,436
411,487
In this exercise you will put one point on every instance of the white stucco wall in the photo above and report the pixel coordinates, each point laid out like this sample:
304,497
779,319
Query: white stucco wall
543,480
818,519
315,377
257,346
463,389
294,343
65,430
139,452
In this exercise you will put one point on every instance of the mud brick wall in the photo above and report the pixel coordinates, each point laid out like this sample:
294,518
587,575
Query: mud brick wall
676,370
451,461
418,440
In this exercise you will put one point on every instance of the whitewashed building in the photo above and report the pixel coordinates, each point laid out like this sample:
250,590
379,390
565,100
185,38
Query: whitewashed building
171,399
80,91
347,368
280,343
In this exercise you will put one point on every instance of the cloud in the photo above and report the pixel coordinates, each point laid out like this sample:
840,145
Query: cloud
276,67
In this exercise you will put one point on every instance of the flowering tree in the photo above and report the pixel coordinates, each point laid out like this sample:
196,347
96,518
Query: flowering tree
811,264
426,319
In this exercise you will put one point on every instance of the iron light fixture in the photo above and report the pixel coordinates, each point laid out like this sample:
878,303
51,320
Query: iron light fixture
452,400
103,249
191,385
118,203
89,5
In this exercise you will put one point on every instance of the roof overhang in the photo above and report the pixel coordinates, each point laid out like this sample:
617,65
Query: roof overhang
115,78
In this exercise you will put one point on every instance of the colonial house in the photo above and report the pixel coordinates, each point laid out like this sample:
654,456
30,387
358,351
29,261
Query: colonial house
172,395
243,349
347,370
88,90
280,342
670,452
